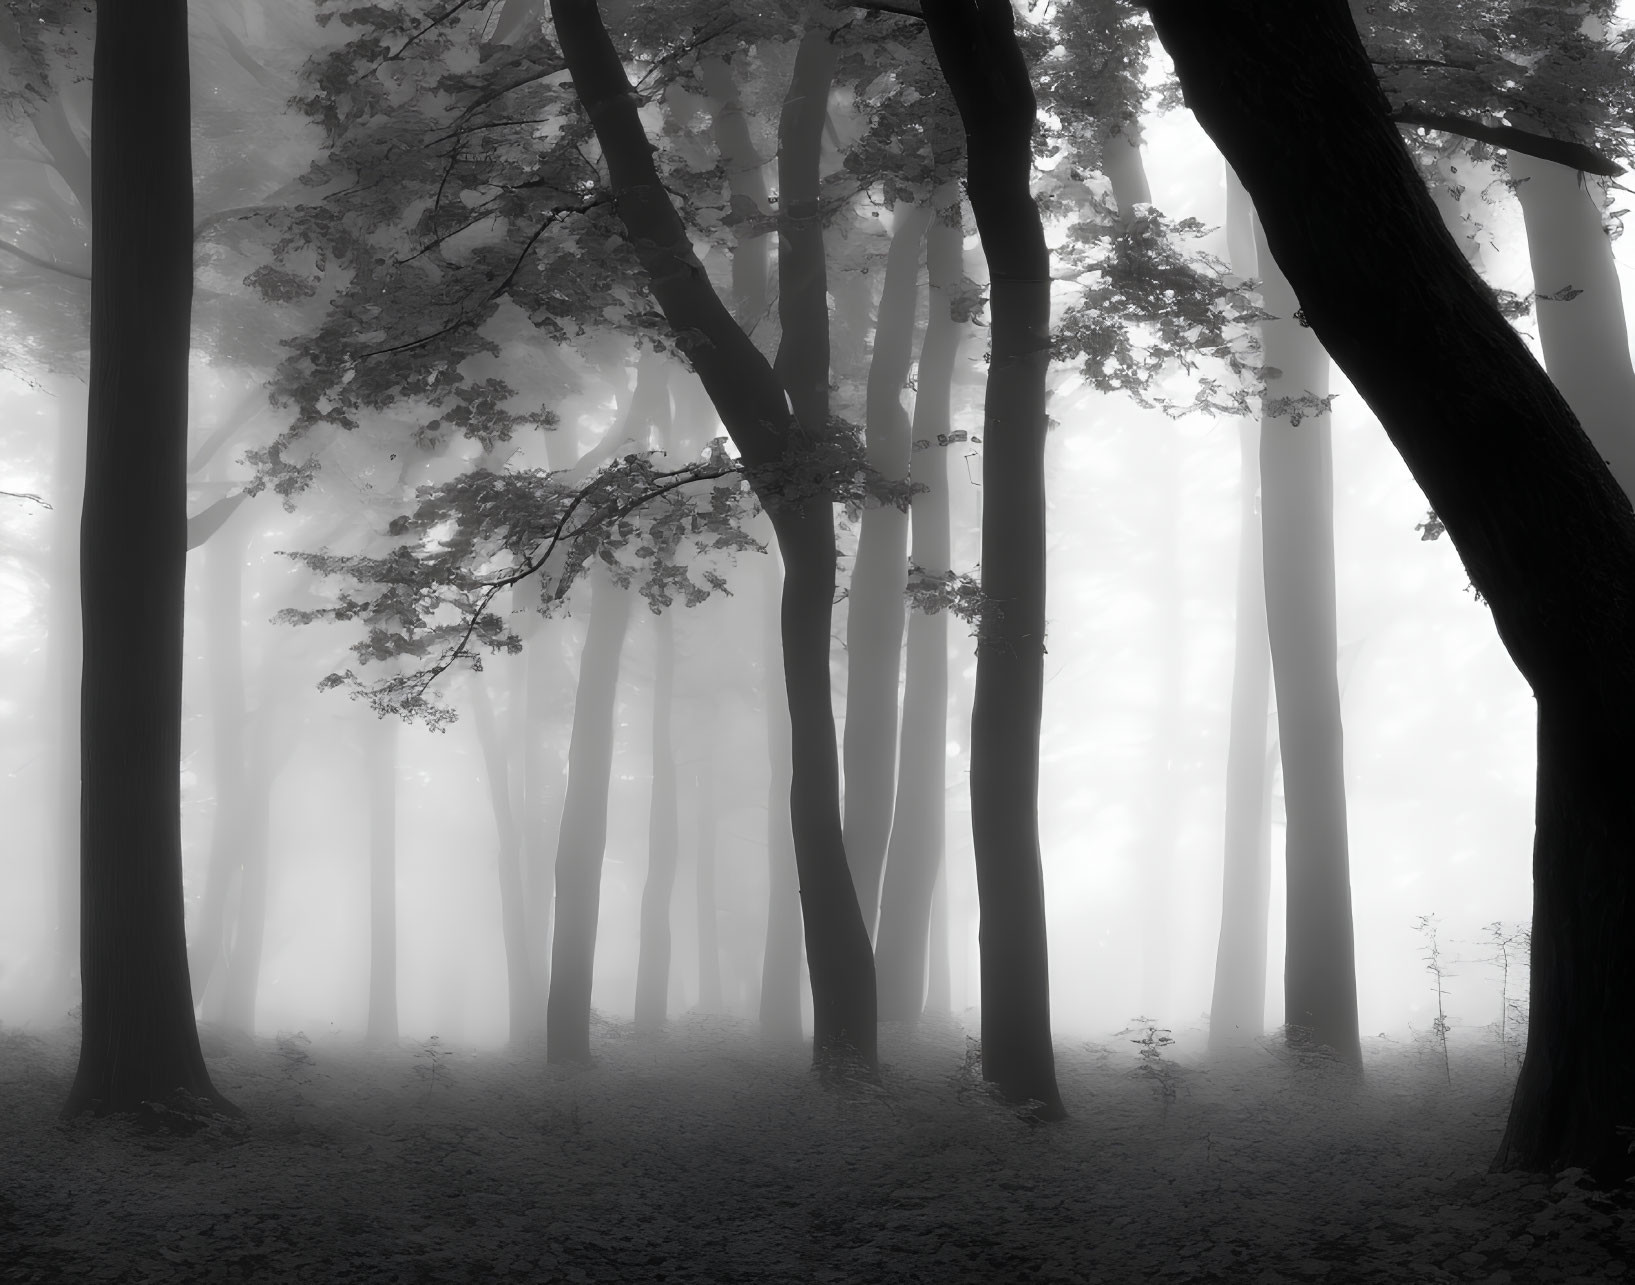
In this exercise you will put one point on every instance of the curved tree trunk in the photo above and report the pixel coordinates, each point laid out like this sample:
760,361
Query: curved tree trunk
918,828
874,618
1580,307
1237,1009
140,1042
1547,536
752,403
979,54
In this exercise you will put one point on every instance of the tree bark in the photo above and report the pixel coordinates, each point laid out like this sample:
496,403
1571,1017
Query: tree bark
918,828
139,1041
1546,534
1585,337
1237,1009
875,608
752,403
980,56
380,765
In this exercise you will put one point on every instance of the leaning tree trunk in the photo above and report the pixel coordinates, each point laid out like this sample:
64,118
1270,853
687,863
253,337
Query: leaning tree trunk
1237,1009
919,824
874,614
980,56
140,1042
752,403
1297,528
1285,89
1580,307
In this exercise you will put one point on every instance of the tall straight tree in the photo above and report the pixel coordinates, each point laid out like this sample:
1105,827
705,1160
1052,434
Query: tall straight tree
773,442
140,1041
1285,89
919,819
981,58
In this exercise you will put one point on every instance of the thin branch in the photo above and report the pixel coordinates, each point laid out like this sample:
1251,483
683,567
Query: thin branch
26,257
430,26
26,495
1562,151
882,6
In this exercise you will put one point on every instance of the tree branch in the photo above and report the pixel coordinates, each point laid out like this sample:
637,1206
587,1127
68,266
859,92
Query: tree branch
882,6
1562,151
26,257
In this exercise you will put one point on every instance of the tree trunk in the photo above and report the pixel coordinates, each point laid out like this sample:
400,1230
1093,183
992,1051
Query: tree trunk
140,1042
780,965
709,937
582,840
520,999
918,828
1547,536
746,177
653,960
380,764
1237,1010
752,403
874,619
979,54
251,835
939,996
1585,338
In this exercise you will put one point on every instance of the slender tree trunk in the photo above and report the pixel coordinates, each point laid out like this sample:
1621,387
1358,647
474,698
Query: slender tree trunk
1585,337
746,176
380,763
520,1000
653,962
752,403
139,1042
1297,524
709,937
582,840
63,646
939,990
266,759
1547,536
875,607
918,829
979,54
1237,1010
780,965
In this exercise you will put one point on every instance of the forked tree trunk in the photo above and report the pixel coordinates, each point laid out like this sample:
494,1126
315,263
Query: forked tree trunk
1297,525
918,829
874,616
1285,89
1237,1010
139,1039
980,56
752,403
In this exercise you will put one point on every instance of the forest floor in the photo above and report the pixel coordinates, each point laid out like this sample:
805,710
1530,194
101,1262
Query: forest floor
702,1155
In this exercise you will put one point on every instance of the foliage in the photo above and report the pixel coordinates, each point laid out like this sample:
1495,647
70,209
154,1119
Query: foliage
1426,926
1161,1075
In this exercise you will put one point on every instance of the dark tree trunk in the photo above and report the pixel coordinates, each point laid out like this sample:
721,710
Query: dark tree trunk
140,1042
751,401
982,60
380,765
1548,539
919,821
520,1000
582,840
1297,530
1237,1010
653,959
874,613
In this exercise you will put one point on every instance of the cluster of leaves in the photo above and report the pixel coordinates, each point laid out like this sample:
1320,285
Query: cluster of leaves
831,467
955,592
431,600
1149,308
